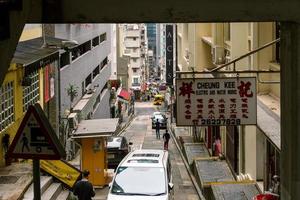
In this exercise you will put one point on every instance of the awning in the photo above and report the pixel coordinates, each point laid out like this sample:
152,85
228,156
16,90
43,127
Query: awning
124,94
96,128
33,56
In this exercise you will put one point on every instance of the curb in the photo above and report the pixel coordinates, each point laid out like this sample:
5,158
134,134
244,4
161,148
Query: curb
131,117
193,179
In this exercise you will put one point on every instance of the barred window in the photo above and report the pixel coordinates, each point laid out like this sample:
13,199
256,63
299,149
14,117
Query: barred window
7,114
31,94
102,37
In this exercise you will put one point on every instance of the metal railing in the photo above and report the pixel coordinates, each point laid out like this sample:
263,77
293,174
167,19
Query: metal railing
244,56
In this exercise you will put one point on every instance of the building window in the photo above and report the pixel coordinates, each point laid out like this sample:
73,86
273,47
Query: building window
277,46
96,102
31,94
88,80
96,71
135,80
95,41
81,49
134,59
64,59
102,37
134,70
103,63
104,87
7,114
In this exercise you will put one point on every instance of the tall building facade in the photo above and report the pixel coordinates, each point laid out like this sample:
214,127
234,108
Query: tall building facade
250,150
32,78
133,37
85,69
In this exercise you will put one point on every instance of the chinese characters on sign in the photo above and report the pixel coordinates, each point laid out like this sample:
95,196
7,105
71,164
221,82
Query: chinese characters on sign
216,102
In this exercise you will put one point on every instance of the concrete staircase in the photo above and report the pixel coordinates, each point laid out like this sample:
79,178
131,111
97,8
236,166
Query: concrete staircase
49,190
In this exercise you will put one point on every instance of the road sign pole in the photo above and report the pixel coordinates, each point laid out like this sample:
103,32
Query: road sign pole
36,179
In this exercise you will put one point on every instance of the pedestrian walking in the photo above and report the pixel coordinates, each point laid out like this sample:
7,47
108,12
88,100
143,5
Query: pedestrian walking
166,138
157,128
83,189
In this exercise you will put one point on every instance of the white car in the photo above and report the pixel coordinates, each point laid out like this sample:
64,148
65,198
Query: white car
143,175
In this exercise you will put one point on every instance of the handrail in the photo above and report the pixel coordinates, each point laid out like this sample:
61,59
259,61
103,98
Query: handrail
245,55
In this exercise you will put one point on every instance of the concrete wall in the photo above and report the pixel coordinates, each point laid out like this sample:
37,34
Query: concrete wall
85,64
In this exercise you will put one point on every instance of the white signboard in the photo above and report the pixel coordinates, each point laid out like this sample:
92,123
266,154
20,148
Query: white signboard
33,140
216,102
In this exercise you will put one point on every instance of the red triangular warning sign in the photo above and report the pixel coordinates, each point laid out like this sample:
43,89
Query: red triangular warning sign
35,138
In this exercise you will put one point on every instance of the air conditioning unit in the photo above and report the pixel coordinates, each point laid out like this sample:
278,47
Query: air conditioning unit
73,121
218,55
187,54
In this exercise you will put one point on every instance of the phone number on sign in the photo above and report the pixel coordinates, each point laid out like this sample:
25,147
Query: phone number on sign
219,121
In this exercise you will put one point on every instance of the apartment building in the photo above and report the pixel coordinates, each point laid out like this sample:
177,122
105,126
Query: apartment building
252,150
85,69
31,78
133,37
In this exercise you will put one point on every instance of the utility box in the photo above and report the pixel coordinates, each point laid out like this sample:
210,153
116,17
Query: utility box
92,136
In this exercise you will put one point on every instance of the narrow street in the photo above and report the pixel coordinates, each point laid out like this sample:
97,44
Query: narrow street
140,133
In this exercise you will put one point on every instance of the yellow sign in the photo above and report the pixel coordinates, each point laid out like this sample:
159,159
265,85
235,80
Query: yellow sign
63,171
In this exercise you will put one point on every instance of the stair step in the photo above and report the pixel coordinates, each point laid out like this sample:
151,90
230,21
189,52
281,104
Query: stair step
63,195
52,192
45,183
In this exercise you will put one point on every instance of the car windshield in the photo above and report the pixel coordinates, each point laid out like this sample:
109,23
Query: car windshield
159,117
139,181
114,142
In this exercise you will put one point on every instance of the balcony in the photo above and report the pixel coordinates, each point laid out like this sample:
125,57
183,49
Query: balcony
132,33
135,54
132,44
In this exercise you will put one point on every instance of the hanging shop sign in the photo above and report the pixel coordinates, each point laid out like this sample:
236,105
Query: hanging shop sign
216,102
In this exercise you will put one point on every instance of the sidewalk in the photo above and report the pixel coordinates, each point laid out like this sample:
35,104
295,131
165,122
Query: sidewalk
14,180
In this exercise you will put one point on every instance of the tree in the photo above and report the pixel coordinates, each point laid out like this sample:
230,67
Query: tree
72,93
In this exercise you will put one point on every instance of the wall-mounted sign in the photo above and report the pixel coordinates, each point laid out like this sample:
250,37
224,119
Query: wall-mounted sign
169,54
216,102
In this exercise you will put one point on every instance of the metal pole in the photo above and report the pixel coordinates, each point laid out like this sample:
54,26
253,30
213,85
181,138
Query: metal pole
36,179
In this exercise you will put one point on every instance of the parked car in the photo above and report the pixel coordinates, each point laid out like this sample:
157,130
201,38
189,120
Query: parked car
117,149
162,119
143,174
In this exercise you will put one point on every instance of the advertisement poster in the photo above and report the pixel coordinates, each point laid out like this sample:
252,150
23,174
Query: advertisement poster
216,102
62,171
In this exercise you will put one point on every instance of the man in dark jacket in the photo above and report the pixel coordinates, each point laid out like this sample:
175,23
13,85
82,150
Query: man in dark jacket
166,138
83,189
157,128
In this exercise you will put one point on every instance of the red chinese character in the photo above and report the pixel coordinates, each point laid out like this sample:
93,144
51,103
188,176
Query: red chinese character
186,89
233,111
244,89
199,106
188,106
187,101
211,101
211,106
222,117
245,100
200,117
211,112
200,100
221,101
245,116
221,110
233,100
233,116
221,106
199,111
188,112
244,105
188,116
245,110
232,105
